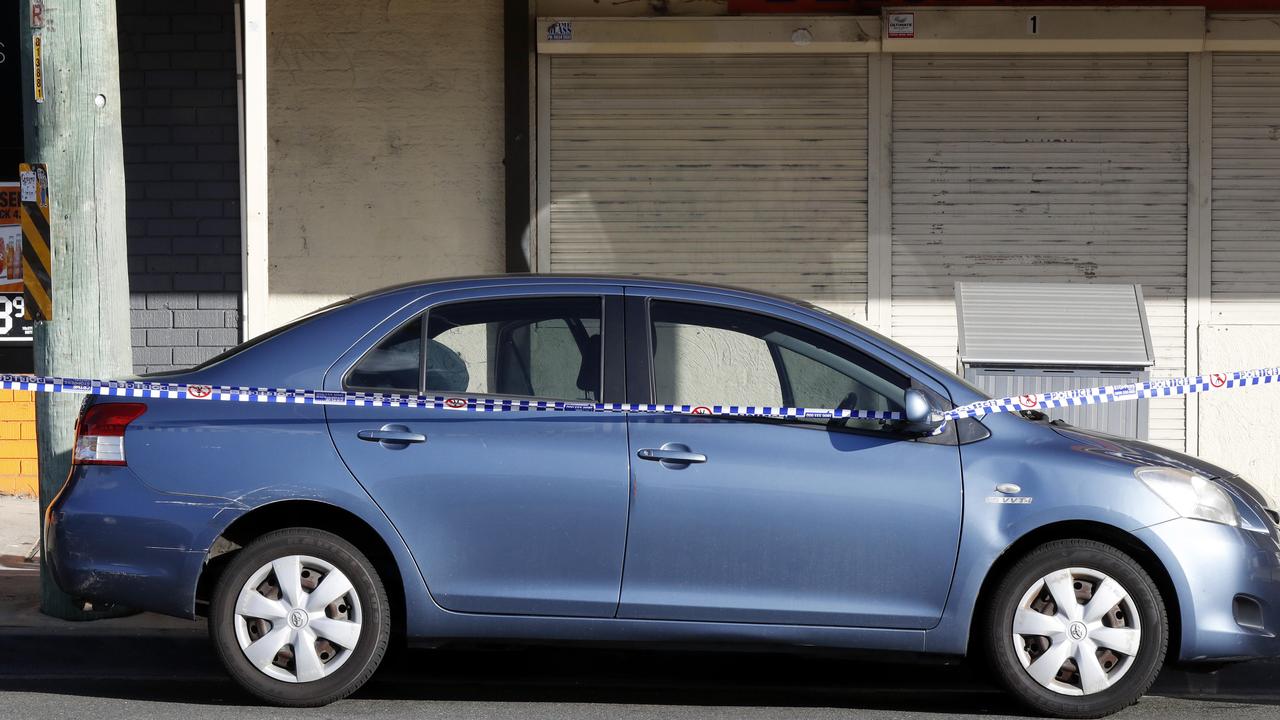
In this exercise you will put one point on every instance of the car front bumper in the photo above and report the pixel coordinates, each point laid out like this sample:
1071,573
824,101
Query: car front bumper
1228,588
110,538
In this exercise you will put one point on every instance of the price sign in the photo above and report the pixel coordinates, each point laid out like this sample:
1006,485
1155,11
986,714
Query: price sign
12,327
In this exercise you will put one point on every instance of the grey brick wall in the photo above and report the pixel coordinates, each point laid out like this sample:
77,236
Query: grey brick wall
181,153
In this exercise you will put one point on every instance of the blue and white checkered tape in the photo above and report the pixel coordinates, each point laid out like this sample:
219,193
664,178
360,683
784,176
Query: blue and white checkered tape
1165,387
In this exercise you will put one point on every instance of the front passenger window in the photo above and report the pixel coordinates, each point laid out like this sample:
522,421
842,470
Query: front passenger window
706,355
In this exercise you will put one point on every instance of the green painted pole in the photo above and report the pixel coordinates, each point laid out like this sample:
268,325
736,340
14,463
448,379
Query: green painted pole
75,132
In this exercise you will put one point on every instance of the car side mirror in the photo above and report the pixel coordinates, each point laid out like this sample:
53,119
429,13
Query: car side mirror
919,411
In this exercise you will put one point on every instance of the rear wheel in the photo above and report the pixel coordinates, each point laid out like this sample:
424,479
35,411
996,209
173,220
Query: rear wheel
1077,629
300,618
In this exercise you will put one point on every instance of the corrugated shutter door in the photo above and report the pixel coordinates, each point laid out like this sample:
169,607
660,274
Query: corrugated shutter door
743,170
1246,186
1034,168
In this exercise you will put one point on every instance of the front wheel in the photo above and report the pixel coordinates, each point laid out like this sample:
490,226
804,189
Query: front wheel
300,618
1077,629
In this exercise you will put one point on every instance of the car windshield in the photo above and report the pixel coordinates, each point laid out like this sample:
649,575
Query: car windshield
899,347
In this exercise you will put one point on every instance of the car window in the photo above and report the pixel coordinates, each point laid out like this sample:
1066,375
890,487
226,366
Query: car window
393,365
527,347
697,364
704,355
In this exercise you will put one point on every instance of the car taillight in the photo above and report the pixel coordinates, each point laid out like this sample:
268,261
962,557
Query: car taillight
100,433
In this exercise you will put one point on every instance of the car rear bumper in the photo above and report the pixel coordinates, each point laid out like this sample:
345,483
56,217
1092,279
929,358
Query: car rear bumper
1228,586
110,538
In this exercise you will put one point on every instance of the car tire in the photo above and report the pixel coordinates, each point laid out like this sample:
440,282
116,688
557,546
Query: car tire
1095,658
272,602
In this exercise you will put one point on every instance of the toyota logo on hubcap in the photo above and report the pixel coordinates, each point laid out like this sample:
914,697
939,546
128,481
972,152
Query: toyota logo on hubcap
1077,631
297,619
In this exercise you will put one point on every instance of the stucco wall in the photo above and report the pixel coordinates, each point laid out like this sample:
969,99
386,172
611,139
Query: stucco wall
386,125
1238,427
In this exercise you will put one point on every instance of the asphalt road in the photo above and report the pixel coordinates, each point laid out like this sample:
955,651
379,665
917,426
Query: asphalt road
173,674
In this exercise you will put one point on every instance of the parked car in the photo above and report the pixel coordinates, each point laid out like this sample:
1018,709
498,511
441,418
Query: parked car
312,536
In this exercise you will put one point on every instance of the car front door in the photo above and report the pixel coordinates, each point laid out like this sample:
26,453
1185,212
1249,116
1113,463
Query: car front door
504,512
805,521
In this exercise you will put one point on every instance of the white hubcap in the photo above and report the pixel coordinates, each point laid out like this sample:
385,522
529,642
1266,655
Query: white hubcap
1076,631
298,618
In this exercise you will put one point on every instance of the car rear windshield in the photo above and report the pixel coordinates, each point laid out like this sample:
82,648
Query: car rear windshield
232,352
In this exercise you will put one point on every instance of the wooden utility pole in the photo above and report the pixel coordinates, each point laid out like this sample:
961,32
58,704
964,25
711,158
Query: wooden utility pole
75,132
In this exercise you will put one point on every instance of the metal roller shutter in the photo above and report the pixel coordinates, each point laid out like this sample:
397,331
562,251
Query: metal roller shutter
1041,168
1246,186
743,170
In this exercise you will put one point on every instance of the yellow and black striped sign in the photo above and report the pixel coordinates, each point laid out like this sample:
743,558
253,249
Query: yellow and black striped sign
37,245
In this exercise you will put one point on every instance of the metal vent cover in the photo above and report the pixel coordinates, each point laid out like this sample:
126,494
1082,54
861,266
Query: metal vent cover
1053,325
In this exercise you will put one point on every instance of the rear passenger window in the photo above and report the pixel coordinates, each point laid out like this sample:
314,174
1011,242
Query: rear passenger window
527,347
392,366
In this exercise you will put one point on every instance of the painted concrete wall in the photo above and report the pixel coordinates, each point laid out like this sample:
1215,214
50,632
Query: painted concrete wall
1238,427
386,125
19,467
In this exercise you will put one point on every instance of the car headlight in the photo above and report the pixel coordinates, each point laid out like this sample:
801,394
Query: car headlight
1190,495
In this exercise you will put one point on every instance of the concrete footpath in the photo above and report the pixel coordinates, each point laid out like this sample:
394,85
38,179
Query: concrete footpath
19,527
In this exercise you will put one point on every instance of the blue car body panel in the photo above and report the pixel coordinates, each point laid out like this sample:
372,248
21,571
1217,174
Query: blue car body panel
787,524
546,527
749,537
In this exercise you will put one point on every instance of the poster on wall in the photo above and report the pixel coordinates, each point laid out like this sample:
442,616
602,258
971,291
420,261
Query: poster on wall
13,328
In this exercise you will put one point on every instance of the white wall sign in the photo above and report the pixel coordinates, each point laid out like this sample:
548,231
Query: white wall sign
562,30
902,25
28,180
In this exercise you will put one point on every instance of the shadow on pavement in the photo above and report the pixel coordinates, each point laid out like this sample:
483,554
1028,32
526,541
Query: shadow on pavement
181,667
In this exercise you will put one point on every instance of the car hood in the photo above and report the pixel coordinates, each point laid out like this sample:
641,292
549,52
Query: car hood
1138,453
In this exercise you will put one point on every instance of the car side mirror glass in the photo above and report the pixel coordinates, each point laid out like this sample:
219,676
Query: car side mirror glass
918,411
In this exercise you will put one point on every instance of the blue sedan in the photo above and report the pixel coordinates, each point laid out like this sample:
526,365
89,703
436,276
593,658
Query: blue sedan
312,536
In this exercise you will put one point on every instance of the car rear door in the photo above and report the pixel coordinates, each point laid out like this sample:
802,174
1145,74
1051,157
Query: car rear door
504,512
795,522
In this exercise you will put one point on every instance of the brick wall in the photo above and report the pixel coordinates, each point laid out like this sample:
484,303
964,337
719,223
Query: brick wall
181,151
18,474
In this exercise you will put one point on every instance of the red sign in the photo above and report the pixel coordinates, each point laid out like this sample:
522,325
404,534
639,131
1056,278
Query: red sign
9,204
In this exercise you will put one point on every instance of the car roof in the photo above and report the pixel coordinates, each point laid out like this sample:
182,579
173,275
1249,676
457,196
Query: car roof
479,281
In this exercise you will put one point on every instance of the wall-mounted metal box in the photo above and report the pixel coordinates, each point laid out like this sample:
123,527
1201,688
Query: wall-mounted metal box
1019,338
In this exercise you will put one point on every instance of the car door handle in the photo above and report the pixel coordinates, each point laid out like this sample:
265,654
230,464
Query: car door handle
392,436
671,453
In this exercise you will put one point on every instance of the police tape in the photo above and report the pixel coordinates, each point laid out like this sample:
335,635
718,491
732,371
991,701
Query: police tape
1164,387
228,393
